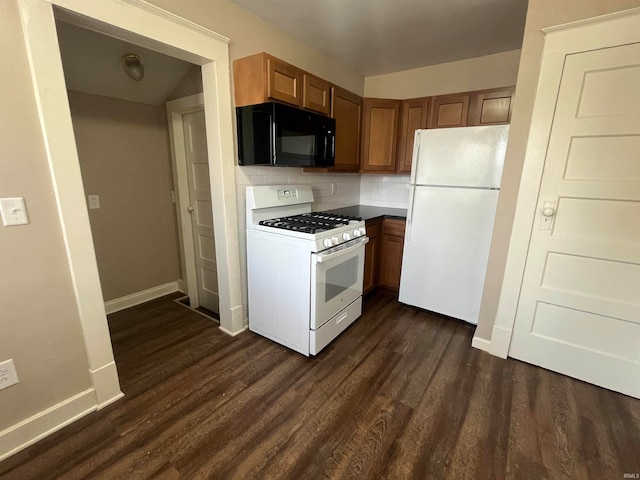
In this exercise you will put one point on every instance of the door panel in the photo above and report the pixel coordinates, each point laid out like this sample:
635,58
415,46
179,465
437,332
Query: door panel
579,307
202,215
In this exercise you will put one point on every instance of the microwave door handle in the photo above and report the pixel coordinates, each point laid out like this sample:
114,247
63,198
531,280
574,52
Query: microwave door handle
325,152
325,257
329,153
272,139
333,144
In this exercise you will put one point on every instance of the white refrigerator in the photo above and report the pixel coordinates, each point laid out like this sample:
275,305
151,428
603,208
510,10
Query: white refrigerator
455,181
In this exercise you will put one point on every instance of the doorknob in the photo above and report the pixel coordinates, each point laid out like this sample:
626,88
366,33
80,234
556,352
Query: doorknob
190,209
548,211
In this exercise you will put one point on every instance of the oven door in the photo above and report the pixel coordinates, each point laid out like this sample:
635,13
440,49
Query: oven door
336,279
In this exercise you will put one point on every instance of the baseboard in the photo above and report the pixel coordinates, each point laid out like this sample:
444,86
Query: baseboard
29,431
180,284
137,298
106,384
233,334
481,344
500,341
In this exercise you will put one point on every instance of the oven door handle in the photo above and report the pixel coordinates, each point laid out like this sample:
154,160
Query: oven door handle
325,257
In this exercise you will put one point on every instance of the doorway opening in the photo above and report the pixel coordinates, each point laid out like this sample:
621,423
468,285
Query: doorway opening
140,24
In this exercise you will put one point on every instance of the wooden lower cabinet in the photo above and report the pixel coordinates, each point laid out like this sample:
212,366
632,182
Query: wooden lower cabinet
372,255
383,253
391,253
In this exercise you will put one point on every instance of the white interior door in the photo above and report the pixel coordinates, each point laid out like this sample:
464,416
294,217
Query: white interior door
579,307
195,142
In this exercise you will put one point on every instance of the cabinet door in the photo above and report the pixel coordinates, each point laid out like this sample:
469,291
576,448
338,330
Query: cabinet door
391,253
379,136
284,82
450,111
372,255
491,107
414,116
346,108
315,94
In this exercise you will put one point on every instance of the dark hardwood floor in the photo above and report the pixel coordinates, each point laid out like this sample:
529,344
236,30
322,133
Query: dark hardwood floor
400,395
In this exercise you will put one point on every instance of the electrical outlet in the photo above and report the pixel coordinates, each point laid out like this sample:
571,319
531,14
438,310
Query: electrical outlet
8,375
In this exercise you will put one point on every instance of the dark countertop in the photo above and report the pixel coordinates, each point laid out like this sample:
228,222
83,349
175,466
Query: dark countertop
369,212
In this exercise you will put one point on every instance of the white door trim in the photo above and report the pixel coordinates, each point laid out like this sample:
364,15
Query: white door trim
596,33
143,24
176,109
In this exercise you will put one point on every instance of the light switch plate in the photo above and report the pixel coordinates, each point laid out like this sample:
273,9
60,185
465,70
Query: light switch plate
13,211
8,375
94,202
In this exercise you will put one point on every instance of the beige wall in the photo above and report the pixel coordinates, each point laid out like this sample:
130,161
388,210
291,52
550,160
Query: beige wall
190,84
39,320
540,14
490,71
124,159
250,34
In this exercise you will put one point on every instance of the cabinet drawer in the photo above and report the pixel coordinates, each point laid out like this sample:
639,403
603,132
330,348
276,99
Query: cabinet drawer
393,226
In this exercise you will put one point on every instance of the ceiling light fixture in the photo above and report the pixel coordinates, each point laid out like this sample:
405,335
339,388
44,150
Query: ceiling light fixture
133,66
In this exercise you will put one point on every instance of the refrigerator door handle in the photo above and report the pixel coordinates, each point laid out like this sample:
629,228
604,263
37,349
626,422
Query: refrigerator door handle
412,183
414,157
412,194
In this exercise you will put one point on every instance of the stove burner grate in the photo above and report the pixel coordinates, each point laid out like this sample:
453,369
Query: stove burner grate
312,223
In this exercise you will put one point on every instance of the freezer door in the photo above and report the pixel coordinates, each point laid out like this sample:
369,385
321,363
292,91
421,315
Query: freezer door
446,250
467,156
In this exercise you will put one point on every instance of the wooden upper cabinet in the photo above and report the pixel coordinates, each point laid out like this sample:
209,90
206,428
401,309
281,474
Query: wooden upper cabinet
491,107
346,108
316,94
284,81
413,116
450,111
379,134
262,78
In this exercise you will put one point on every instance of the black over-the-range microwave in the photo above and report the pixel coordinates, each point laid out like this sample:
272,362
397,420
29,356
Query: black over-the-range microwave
279,135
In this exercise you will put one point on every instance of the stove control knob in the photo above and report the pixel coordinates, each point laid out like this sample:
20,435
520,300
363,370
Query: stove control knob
327,242
346,236
357,232
335,240
362,231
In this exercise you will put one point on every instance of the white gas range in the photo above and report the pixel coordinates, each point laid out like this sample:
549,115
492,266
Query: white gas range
305,269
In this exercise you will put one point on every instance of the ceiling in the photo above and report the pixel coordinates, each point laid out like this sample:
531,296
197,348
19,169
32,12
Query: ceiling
382,36
93,64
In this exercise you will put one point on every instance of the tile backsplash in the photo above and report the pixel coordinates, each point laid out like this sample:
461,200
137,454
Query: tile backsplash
384,190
